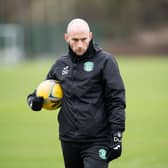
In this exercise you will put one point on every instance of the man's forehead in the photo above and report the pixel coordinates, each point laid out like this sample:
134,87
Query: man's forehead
79,36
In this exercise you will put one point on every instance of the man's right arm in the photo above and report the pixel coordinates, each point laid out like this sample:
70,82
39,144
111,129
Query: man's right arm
35,102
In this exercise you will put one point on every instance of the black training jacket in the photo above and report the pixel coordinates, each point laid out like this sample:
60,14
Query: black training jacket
94,95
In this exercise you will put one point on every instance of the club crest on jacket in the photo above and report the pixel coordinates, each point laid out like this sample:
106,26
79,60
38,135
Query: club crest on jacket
88,66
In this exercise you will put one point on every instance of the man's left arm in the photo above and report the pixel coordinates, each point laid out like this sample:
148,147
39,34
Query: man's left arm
115,106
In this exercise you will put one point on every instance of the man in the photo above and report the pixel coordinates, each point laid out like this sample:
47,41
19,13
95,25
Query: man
92,116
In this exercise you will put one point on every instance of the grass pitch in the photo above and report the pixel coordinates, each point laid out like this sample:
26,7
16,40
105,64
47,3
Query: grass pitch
30,139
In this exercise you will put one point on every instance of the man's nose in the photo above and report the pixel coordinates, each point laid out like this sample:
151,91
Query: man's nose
80,44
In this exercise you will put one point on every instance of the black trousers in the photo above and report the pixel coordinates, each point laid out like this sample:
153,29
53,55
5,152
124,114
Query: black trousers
84,155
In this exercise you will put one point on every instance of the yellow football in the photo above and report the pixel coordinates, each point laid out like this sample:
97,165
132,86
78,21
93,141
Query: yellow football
52,93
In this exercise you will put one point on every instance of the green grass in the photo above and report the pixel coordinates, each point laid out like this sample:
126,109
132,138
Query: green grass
30,139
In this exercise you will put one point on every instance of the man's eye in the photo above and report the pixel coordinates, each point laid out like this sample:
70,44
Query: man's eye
76,40
84,39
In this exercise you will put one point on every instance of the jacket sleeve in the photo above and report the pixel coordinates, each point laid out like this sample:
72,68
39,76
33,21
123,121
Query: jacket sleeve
52,72
114,95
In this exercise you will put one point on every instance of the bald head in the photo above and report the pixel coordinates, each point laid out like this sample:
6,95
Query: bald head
78,25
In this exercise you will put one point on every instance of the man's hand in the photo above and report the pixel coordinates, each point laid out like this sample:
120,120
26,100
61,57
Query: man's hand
35,102
115,147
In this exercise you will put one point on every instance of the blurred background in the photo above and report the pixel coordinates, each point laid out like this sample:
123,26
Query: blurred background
35,28
31,38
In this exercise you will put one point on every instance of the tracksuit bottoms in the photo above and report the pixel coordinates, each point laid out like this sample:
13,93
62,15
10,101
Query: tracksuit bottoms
84,155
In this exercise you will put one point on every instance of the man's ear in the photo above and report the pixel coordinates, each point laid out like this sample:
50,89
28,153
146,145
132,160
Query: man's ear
90,35
66,37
